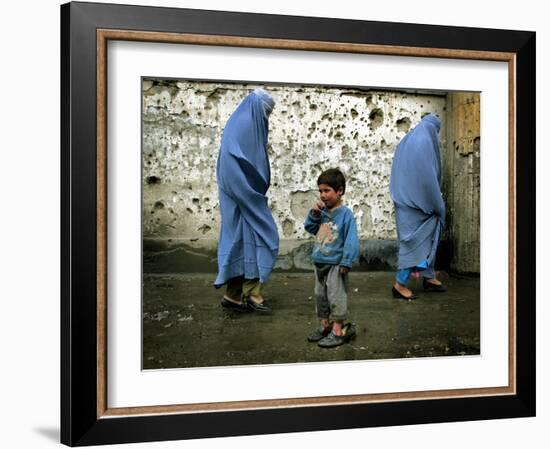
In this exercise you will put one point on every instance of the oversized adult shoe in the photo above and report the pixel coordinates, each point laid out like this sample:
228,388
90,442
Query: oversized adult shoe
430,287
332,340
349,331
318,334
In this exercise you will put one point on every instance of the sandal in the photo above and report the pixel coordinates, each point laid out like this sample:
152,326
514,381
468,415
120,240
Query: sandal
431,287
398,295
235,306
260,307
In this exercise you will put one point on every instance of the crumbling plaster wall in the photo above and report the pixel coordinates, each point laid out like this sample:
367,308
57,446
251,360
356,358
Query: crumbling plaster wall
310,129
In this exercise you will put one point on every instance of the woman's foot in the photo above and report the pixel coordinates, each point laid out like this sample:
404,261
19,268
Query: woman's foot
233,304
234,301
432,281
256,299
402,292
433,285
257,304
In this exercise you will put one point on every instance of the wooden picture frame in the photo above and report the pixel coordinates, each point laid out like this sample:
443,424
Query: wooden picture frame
86,29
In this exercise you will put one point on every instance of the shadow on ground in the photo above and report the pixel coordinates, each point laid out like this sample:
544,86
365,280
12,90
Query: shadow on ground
184,325
49,433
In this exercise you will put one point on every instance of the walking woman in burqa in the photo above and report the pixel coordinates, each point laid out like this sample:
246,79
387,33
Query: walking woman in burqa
249,242
419,206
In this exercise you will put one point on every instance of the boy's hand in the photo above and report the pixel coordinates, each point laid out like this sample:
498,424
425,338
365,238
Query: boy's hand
316,207
344,271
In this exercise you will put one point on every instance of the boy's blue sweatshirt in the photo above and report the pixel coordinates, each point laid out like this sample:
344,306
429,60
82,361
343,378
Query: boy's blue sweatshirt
336,240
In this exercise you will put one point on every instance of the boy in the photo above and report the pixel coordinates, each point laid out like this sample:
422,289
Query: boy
336,247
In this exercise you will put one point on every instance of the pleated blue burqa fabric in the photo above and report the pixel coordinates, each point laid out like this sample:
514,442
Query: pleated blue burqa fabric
415,191
249,242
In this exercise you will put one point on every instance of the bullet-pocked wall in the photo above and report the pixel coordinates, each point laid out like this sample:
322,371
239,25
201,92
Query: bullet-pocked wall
311,128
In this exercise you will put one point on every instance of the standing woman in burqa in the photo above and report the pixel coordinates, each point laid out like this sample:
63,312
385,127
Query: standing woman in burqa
249,242
419,206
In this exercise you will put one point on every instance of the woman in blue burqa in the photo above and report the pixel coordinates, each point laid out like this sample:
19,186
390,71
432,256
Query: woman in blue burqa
419,206
249,241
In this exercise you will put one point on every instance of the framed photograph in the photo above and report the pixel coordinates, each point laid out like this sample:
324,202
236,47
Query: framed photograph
159,344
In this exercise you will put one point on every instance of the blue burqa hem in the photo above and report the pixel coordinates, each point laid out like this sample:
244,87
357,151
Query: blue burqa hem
403,275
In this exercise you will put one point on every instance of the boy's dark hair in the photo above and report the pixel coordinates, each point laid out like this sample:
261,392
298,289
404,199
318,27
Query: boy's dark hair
334,178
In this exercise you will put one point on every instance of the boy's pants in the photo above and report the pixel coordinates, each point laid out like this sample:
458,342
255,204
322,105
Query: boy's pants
331,292
236,287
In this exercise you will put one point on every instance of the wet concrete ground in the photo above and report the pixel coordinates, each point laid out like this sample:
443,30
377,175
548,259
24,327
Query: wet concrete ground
185,326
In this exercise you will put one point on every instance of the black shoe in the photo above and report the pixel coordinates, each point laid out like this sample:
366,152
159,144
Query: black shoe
430,287
236,307
397,294
257,307
318,334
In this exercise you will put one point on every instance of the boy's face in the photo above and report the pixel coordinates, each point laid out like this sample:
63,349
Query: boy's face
329,196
